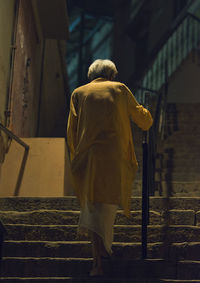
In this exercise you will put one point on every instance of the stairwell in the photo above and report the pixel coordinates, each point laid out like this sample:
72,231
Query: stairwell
41,244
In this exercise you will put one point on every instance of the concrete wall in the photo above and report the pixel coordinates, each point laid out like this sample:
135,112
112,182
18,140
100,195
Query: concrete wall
53,106
26,73
160,21
123,45
46,172
184,85
39,83
6,28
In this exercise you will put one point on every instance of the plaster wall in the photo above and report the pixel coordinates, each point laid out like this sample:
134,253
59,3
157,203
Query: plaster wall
46,172
6,28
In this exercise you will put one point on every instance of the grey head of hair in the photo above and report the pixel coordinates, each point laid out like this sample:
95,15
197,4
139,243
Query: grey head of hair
102,69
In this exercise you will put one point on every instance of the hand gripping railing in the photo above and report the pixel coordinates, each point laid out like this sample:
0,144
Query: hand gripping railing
24,160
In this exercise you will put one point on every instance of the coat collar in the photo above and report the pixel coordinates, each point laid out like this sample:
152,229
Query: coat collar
99,80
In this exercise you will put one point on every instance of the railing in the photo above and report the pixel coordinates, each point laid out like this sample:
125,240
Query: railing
24,160
149,145
19,180
183,39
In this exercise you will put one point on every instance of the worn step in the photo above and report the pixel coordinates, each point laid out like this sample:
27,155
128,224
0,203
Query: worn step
182,176
66,203
181,190
177,162
177,281
175,136
51,267
75,280
60,217
122,233
81,249
185,154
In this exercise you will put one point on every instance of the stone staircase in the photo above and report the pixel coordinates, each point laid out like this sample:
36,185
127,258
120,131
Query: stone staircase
41,244
180,150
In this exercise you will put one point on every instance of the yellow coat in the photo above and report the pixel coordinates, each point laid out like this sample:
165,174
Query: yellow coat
103,160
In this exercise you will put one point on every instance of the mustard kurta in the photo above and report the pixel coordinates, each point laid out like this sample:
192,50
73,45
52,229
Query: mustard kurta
103,160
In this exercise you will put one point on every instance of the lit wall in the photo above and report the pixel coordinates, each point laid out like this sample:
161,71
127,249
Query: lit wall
6,28
46,173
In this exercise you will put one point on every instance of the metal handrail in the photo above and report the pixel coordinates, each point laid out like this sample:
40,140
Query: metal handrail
19,180
13,136
182,39
24,160
149,156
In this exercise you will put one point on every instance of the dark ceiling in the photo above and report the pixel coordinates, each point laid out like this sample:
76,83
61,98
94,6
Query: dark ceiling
97,7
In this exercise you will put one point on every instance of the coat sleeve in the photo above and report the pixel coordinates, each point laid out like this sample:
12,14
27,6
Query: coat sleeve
72,127
137,113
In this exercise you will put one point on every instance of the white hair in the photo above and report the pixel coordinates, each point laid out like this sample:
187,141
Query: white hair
102,69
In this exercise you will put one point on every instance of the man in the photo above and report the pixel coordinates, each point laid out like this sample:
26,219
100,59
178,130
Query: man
103,160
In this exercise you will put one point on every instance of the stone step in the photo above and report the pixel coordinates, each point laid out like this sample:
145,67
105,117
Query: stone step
181,136
56,267
177,281
66,203
174,132
174,147
182,176
82,249
178,164
71,217
182,187
186,155
75,280
187,172
177,143
178,190
122,233
91,280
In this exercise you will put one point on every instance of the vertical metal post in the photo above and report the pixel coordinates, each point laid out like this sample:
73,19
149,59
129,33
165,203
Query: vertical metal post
145,188
144,199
